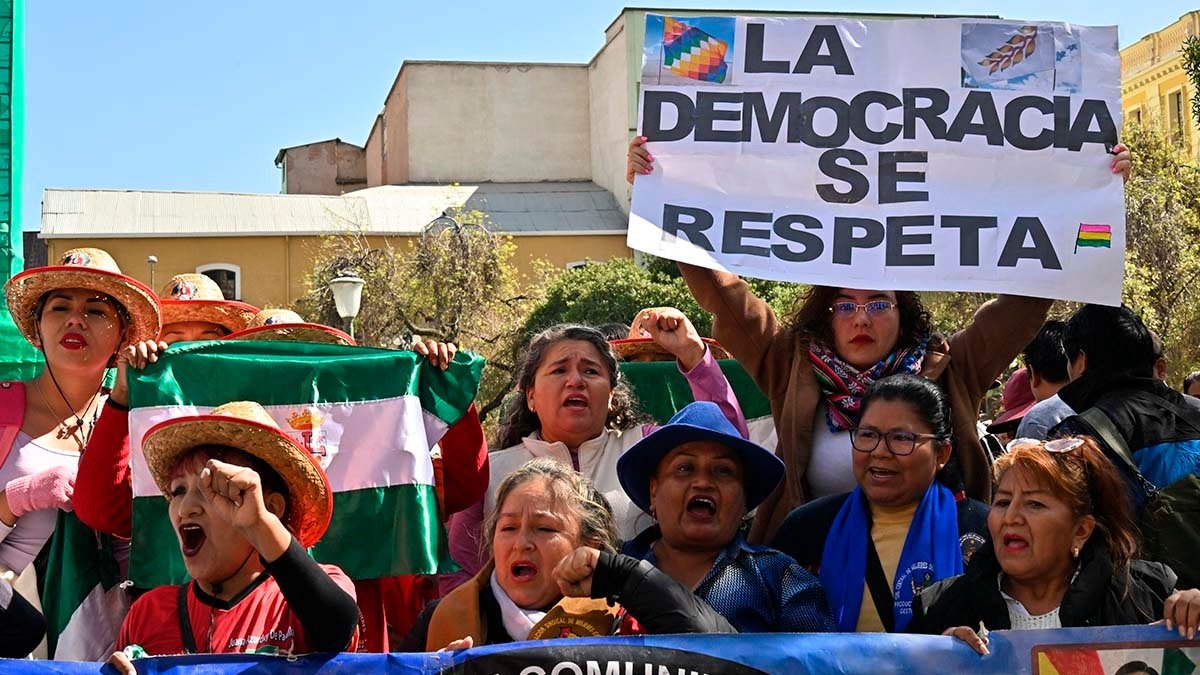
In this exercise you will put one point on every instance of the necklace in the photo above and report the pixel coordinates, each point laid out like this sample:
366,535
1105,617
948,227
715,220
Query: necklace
73,431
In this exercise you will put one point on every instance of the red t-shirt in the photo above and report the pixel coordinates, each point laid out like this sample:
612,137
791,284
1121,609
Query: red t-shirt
259,621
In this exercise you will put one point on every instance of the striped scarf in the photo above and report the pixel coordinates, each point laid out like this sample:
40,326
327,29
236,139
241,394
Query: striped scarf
844,385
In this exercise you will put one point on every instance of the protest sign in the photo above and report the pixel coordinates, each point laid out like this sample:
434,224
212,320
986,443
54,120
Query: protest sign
1078,651
942,154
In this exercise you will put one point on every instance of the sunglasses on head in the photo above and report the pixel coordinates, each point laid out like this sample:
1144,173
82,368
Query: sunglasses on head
1056,446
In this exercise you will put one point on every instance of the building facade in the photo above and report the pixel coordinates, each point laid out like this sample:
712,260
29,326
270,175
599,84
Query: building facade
330,167
447,121
1154,87
261,248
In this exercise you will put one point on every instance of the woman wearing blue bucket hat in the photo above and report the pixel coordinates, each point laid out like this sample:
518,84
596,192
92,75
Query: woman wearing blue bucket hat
698,478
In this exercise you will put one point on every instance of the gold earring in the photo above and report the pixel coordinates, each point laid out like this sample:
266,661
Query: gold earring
1075,552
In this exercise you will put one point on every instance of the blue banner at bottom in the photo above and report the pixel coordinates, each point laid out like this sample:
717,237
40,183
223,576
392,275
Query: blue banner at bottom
1071,651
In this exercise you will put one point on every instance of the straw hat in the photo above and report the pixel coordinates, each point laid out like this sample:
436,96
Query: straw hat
245,425
195,297
89,268
284,324
631,348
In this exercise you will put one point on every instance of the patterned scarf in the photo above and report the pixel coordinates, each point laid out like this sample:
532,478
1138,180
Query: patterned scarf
844,385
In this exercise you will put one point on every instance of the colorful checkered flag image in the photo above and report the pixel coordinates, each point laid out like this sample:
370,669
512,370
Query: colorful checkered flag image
692,53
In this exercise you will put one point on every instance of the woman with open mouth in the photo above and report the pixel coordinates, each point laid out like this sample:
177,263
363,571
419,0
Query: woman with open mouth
698,478
1063,553
554,573
816,364
193,308
246,501
79,314
901,528
574,406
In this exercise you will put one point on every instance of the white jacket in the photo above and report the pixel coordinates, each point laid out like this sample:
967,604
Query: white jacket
597,462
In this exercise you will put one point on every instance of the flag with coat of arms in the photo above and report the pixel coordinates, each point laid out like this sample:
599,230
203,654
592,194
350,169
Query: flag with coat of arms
369,416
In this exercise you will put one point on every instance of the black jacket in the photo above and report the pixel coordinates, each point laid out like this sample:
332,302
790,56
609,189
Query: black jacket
21,626
1097,597
661,605
802,535
1145,411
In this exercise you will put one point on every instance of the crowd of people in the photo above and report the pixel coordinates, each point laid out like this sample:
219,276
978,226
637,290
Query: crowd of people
883,506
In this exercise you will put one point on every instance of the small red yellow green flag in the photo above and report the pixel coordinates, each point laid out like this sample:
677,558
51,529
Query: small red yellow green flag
1094,235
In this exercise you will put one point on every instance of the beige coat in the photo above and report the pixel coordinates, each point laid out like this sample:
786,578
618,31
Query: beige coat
777,360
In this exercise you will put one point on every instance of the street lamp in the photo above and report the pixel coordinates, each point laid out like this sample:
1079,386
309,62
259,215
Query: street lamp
441,224
152,261
347,297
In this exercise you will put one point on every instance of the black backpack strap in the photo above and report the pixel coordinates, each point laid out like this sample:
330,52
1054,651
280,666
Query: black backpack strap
1192,416
881,593
1117,450
185,622
1106,431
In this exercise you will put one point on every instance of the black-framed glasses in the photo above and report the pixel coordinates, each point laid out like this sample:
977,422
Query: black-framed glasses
866,439
873,308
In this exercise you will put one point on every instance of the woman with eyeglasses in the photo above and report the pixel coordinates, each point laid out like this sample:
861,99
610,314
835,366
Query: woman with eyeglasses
900,529
816,365
1063,553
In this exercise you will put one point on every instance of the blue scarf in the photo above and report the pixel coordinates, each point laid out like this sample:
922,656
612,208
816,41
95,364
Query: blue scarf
931,553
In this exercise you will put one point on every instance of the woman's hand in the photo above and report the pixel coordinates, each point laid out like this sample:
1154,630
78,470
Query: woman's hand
49,489
235,494
137,356
121,664
461,643
1122,163
638,159
440,354
968,635
671,330
573,574
1182,611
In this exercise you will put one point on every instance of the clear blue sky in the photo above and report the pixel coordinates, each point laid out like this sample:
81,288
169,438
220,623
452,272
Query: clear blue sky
191,95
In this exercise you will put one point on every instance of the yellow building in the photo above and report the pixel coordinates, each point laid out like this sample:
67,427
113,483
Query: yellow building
1154,87
260,247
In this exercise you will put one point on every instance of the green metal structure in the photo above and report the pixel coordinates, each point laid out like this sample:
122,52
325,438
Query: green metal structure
18,360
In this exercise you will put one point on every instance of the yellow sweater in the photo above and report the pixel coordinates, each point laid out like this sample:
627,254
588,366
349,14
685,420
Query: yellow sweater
889,529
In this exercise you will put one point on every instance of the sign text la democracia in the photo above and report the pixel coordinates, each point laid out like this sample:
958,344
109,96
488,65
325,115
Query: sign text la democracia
790,119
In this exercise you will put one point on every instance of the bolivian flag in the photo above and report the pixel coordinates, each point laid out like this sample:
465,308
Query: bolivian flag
1069,662
1094,236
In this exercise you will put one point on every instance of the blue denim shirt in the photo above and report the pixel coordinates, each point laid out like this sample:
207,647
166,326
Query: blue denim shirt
757,589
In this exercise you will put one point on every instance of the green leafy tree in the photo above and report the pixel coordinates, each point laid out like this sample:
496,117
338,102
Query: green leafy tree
614,291
455,283
1162,260
1191,66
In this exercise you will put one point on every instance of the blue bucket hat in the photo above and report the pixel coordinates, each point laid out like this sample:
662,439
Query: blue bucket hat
701,421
